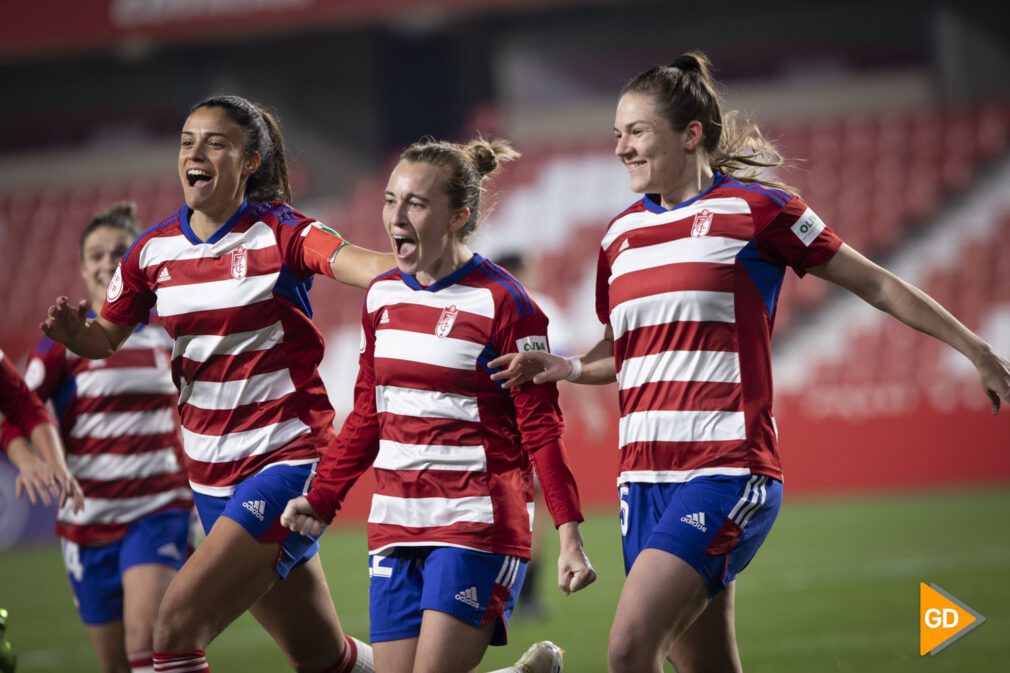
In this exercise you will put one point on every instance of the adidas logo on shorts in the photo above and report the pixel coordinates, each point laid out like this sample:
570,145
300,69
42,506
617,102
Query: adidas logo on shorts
257,507
696,520
469,596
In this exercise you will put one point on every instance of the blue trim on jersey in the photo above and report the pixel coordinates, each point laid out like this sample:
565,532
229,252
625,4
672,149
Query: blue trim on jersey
294,290
64,393
778,196
650,200
44,345
487,269
766,275
221,231
511,281
486,355
457,275
172,219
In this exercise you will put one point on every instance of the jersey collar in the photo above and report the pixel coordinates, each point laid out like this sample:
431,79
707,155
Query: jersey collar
652,201
442,283
221,231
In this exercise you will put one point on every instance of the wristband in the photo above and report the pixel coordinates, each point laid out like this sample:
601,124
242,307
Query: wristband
576,369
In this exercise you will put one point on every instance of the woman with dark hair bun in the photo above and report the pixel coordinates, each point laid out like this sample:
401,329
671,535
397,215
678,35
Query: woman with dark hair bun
229,273
688,279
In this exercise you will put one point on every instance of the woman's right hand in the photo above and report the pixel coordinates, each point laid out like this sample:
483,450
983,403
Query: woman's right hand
299,517
64,322
70,490
536,366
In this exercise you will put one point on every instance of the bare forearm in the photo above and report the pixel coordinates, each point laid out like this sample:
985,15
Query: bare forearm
917,309
598,366
47,442
20,453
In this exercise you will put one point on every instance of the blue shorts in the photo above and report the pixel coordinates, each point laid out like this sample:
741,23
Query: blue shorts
474,587
715,524
257,503
96,572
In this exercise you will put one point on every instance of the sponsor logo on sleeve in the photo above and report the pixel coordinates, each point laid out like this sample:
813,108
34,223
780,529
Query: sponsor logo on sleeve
532,343
115,285
35,374
808,227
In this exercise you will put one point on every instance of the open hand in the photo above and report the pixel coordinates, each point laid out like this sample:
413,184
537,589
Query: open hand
63,322
536,366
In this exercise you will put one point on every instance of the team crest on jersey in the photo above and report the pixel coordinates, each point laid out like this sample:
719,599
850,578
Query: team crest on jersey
239,264
446,321
115,285
702,223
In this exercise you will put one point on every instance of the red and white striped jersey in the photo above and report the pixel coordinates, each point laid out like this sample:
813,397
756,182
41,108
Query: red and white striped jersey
120,430
246,351
691,293
451,448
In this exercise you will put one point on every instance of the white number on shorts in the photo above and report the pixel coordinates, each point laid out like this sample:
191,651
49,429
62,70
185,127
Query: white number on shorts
72,560
625,511
377,569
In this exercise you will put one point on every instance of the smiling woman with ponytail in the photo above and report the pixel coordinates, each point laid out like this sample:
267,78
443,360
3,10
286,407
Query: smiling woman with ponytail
687,284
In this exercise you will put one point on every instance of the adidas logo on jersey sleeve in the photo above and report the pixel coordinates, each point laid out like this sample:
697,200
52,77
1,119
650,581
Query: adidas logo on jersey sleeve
257,507
164,276
469,597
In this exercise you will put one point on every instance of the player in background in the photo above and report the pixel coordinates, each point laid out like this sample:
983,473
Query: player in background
121,430
687,284
229,275
449,527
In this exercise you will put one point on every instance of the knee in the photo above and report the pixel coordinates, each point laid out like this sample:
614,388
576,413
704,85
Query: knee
177,629
627,654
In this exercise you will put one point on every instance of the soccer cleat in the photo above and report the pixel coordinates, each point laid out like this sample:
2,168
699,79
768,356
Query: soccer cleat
542,657
8,660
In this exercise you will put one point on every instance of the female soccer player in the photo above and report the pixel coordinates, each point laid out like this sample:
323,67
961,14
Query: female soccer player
229,273
687,283
121,431
42,476
449,528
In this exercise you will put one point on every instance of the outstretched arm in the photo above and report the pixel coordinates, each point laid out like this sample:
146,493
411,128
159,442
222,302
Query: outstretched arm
597,366
915,308
35,478
358,266
95,339
47,442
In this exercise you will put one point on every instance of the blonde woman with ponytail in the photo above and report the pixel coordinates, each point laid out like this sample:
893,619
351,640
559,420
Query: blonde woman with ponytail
688,279
449,528
229,274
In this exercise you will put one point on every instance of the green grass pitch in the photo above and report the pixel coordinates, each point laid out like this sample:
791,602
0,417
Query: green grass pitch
835,588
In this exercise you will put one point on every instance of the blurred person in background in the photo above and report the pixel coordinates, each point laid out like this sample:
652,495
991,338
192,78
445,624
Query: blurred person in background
449,528
119,424
687,285
229,274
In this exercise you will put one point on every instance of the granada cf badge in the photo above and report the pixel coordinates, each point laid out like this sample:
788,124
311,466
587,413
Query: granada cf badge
446,321
239,266
115,285
702,223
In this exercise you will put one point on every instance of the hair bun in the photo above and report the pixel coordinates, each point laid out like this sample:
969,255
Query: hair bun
687,63
486,156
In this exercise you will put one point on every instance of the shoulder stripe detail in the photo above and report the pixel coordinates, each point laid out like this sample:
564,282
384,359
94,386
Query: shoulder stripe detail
172,219
776,195
499,275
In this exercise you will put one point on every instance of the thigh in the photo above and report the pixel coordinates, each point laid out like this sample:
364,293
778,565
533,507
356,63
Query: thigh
152,551
298,613
448,645
709,644
395,656
144,586
661,598
107,641
223,578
